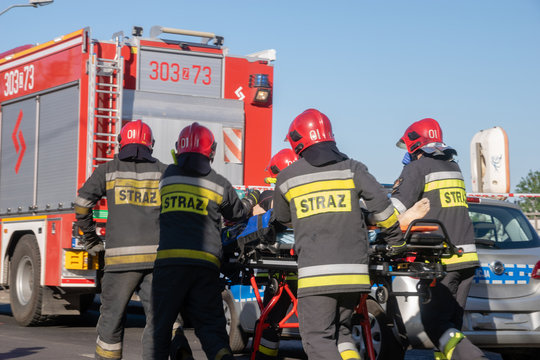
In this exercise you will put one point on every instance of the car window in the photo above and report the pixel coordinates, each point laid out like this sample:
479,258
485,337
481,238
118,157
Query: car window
507,227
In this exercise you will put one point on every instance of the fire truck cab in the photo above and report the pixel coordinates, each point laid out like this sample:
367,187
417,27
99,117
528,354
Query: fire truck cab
62,105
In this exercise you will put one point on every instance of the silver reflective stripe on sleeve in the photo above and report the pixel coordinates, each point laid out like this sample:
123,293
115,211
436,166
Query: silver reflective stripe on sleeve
398,205
132,250
383,215
332,269
82,202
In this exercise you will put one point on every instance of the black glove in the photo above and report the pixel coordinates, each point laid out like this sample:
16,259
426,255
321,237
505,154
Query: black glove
397,249
253,197
92,243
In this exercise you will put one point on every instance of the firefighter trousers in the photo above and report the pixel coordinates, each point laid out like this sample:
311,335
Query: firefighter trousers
117,288
196,290
444,312
325,326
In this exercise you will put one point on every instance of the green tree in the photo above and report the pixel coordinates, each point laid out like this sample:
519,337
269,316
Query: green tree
530,184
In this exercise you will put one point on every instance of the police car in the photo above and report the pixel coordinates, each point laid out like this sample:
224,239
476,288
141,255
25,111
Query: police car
503,308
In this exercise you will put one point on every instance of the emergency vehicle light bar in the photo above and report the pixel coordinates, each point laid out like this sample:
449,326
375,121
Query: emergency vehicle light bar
158,30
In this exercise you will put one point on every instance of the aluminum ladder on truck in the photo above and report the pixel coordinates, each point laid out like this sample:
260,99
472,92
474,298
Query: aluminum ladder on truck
105,83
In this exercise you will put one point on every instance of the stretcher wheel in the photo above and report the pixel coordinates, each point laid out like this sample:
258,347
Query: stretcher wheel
424,292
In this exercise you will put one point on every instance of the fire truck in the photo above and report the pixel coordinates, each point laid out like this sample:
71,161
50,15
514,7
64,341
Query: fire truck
62,105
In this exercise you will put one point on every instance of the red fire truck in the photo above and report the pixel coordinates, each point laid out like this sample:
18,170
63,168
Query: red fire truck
62,104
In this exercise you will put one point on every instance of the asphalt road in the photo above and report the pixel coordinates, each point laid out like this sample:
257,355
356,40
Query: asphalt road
71,338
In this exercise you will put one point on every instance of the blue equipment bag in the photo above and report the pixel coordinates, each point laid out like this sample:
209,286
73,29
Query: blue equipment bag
258,229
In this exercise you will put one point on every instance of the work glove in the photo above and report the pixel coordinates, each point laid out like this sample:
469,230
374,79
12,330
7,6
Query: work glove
397,249
92,243
252,197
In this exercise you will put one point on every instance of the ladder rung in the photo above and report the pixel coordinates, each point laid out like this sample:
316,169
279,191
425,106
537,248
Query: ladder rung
106,109
104,134
107,92
102,159
106,117
106,141
107,60
107,85
107,67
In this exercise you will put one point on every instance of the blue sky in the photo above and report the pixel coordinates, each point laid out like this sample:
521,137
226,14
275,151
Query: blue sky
373,67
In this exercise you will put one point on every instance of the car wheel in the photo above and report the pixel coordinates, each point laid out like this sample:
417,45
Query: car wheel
237,338
25,292
385,343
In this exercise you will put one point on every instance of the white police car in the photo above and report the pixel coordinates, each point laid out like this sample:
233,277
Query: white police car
503,308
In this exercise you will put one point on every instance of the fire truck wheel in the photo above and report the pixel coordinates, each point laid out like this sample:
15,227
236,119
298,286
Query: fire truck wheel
25,292
385,343
237,338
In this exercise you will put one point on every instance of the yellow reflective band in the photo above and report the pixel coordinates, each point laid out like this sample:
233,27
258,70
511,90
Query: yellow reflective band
184,202
191,189
221,353
468,257
108,354
439,356
323,202
267,351
189,254
453,197
331,280
349,354
441,184
81,210
451,344
390,221
319,186
132,183
129,259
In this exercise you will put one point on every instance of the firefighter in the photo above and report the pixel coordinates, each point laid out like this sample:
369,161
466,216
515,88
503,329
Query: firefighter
131,184
269,345
319,194
186,272
433,174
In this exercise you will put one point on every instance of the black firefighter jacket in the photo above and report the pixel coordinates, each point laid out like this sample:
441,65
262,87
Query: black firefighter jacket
331,237
441,181
190,220
132,191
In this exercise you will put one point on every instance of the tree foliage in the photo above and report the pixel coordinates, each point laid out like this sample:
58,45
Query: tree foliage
530,184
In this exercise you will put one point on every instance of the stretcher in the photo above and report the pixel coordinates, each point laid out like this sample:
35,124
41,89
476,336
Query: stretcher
421,259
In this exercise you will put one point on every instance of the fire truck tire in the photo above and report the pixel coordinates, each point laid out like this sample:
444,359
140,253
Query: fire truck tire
25,291
387,347
237,337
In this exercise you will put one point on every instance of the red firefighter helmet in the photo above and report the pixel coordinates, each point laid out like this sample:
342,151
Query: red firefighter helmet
280,161
425,134
309,128
136,132
196,138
